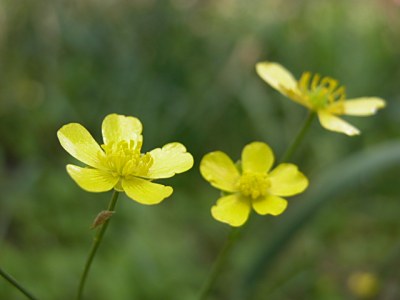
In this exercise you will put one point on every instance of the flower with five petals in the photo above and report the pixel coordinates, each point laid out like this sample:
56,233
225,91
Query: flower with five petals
119,163
321,95
250,185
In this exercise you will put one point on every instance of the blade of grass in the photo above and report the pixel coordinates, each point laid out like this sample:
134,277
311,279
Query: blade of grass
327,187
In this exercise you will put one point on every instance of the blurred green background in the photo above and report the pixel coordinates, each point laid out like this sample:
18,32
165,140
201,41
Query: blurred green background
186,69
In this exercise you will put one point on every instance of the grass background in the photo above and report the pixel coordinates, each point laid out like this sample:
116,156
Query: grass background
186,69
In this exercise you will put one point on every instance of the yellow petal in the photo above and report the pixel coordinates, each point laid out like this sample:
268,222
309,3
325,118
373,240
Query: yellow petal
218,169
169,160
287,180
232,210
92,180
333,123
363,106
277,77
257,157
145,191
270,204
78,142
121,128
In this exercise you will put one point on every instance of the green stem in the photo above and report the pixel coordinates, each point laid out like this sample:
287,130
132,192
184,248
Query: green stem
232,238
16,284
259,266
300,136
218,264
95,245
327,187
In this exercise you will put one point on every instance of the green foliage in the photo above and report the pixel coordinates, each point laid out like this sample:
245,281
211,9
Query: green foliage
186,69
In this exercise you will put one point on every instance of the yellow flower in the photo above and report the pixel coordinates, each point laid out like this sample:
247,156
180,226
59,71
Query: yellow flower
118,163
252,185
364,285
321,95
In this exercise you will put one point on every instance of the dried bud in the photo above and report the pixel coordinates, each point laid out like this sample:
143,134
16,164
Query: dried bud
101,218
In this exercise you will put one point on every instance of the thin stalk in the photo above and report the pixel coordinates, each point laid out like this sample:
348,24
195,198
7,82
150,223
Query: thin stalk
300,136
328,187
95,245
219,262
258,268
16,284
232,238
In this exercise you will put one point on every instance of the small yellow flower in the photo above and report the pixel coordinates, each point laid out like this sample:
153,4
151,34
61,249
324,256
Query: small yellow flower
364,285
321,95
250,185
118,163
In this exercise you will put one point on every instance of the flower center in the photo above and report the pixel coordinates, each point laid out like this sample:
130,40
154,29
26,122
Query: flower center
320,92
254,185
123,158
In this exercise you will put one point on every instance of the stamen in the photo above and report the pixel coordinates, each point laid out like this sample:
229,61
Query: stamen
123,158
254,185
320,92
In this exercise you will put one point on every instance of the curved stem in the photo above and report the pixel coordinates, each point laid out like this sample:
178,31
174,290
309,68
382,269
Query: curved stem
232,237
95,245
328,187
217,267
300,135
16,284
258,267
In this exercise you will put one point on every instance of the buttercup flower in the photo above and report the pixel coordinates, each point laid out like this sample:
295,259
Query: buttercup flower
118,163
321,95
363,285
251,185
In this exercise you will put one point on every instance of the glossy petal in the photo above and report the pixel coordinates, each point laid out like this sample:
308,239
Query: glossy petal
169,160
232,210
363,106
287,180
121,128
218,169
92,180
78,142
145,191
257,157
270,204
277,77
333,123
